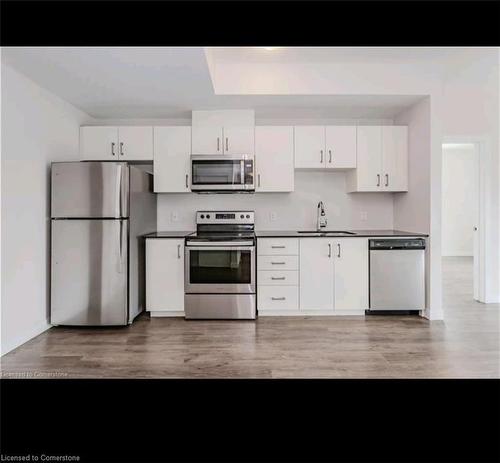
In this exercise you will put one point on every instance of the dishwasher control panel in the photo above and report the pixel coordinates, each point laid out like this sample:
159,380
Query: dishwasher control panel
413,243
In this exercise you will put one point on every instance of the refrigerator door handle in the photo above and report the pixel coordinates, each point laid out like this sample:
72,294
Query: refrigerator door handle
121,241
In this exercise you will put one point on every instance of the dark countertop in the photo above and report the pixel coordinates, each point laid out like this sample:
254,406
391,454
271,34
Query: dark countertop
168,234
359,234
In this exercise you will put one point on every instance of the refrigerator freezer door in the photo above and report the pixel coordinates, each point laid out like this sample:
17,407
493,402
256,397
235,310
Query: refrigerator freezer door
90,190
89,272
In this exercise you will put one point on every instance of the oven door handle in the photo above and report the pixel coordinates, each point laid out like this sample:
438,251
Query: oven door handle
219,248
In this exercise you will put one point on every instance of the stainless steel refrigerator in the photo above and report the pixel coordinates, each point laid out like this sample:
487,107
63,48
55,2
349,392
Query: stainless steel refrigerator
99,210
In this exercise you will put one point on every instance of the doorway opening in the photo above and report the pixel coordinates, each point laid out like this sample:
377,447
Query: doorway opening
460,225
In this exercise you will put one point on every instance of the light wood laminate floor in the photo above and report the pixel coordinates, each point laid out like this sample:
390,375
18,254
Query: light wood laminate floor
465,345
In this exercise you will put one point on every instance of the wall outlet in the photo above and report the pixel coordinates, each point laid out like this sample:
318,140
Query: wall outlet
273,216
174,216
364,216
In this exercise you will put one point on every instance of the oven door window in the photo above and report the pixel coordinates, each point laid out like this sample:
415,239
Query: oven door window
220,172
220,267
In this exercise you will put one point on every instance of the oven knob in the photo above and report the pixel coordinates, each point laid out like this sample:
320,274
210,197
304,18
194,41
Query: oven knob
242,216
208,216
248,216
202,216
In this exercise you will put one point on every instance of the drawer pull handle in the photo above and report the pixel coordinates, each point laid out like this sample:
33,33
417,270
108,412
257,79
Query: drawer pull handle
278,263
278,247
278,278
278,298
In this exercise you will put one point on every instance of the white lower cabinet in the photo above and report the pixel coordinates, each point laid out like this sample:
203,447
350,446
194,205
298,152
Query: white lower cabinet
334,274
165,276
277,276
316,274
278,298
351,274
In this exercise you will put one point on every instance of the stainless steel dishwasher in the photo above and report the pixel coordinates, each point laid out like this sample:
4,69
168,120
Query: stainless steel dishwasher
397,274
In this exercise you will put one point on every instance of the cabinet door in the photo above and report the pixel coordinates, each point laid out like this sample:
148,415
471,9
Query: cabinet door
207,139
99,143
369,158
135,143
395,158
310,147
274,159
316,274
351,274
239,139
172,154
340,147
164,274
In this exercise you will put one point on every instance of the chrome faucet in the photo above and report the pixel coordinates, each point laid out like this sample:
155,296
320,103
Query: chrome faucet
321,218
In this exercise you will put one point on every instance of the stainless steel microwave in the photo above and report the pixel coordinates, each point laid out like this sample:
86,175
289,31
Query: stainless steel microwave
223,173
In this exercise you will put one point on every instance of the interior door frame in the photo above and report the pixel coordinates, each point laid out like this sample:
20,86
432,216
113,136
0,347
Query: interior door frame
484,208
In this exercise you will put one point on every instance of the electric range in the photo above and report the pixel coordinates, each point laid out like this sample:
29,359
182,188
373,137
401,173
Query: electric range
220,266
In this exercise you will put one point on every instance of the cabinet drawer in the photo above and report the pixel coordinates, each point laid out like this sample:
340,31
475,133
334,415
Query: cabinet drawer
278,263
278,298
278,277
278,246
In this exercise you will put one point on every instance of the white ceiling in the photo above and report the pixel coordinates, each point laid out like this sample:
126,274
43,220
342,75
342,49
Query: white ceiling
164,82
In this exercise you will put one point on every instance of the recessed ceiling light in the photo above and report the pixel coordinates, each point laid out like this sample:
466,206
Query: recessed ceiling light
270,48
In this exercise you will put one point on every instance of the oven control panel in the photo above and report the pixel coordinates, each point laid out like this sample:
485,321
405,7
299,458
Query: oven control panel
225,217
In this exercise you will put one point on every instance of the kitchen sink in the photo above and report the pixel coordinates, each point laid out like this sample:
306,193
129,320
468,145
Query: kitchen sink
326,232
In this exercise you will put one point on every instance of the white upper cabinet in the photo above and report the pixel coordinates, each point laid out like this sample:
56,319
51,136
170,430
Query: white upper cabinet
395,158
330,147
382,159
351,274
274,159
99,143
316,274
238,139
309,147
116,143
207,139
223,132
172,153
135,143
340,147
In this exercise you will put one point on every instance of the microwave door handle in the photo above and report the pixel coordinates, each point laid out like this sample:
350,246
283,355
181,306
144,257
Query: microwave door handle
242,171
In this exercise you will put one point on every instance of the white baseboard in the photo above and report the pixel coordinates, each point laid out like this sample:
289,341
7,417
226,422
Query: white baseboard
19,339
166,313
310,313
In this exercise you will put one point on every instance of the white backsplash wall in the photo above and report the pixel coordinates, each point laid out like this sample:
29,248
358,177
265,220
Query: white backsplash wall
293,211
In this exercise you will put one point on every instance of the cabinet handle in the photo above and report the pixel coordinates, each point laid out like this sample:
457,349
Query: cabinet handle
329,250
278,247
178,251
321,156
278,263
278,278
330,152
258,180
218,143
187,181
378,179
278,298
338,249
227,144
113,149
386,179
121,148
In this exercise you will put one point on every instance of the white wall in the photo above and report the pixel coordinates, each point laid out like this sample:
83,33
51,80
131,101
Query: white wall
37,128
460,199
296,210
470,112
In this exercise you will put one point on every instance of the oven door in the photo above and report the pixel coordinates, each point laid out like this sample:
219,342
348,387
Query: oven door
222,173
220,269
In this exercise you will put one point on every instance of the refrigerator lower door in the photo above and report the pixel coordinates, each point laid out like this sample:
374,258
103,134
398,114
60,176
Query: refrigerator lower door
89,272
90,190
